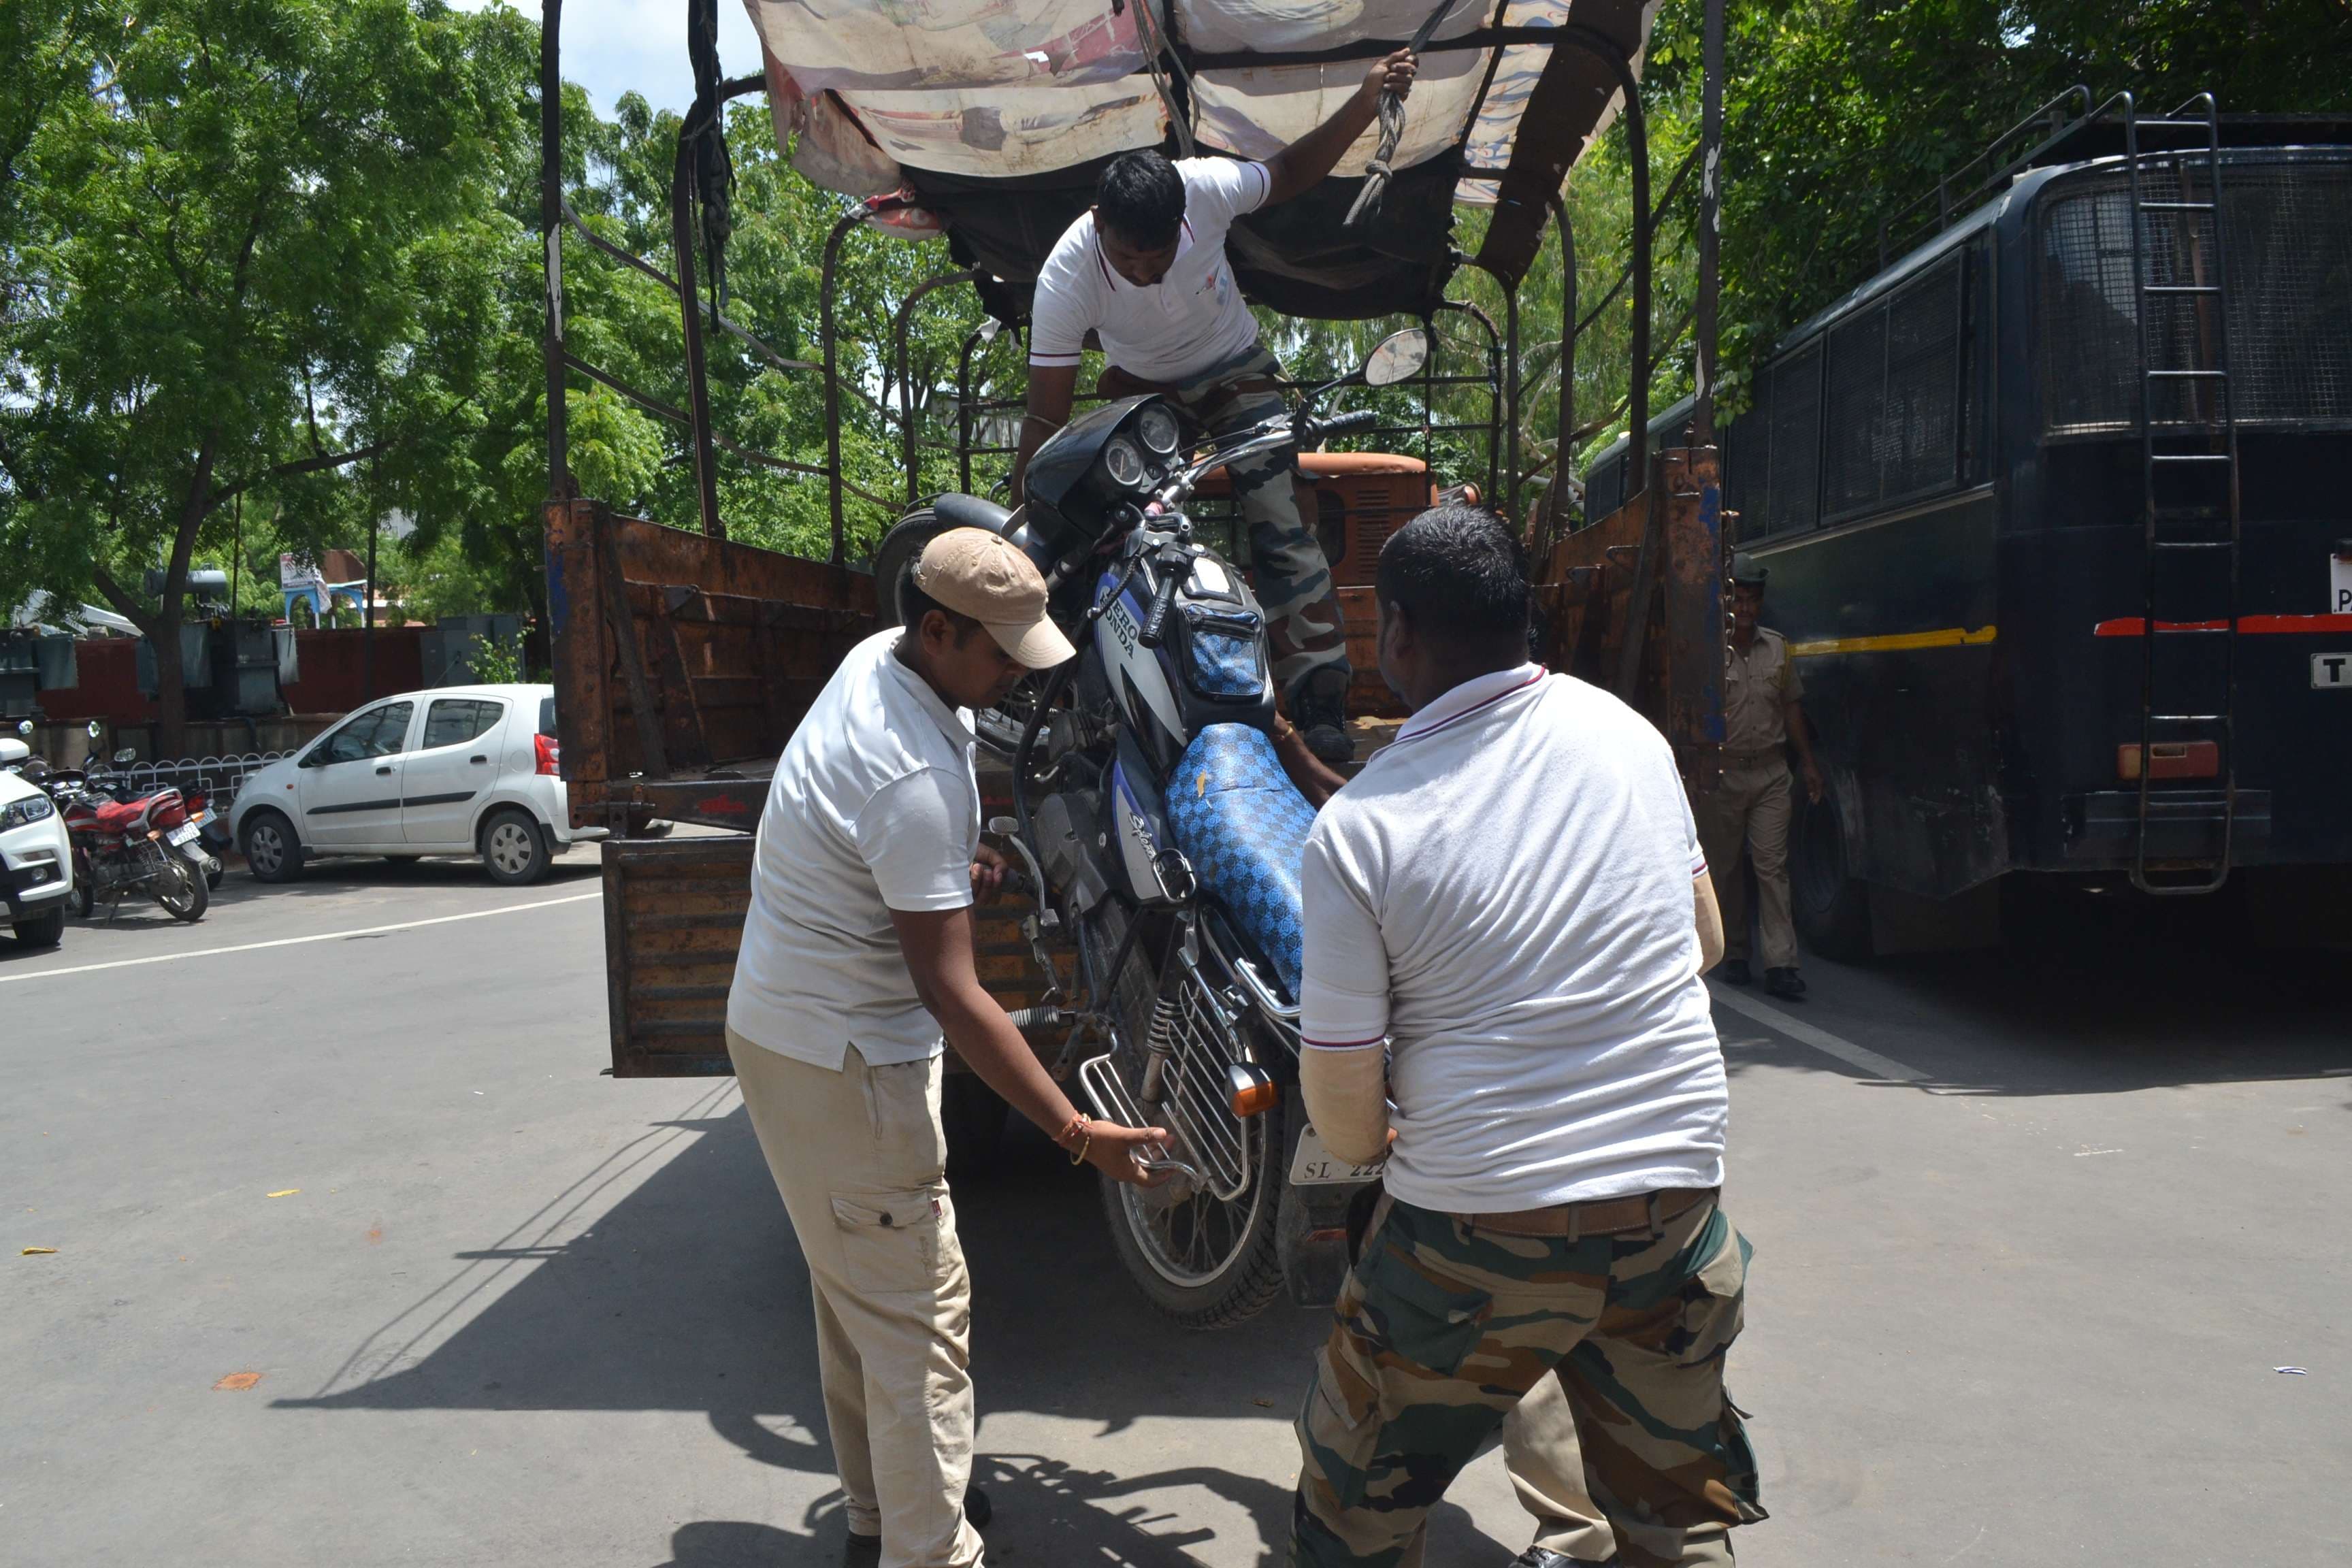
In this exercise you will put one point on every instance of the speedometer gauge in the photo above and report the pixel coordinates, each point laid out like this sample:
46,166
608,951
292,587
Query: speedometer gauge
1124,462
1157,428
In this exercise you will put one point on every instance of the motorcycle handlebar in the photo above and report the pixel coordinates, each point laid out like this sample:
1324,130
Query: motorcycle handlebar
1354,419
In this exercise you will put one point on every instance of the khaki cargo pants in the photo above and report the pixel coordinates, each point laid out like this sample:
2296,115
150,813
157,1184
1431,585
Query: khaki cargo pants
861,1161
1747,816
1293,580
1442,1330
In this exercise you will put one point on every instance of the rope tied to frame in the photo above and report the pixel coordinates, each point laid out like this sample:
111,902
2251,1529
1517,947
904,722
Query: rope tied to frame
1392,117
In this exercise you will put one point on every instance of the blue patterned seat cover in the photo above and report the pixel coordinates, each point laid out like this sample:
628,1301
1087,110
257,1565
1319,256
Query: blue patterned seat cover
1243,825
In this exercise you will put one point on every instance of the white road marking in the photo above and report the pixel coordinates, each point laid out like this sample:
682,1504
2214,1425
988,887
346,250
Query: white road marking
296,940
1821,1040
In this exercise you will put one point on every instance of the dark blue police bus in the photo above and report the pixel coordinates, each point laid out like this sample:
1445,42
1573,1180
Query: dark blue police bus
2055,515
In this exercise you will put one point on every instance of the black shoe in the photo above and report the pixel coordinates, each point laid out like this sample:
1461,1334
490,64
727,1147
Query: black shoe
860,1551
1545,1557
1784,983
1734,971
1320,709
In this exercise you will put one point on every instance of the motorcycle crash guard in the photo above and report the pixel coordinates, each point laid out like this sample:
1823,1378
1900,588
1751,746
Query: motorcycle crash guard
1243,825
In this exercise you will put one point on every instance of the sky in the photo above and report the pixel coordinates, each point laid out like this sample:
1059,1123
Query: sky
612,47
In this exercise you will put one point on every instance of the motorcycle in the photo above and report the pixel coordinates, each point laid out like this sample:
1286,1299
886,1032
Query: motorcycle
1159,837
126,842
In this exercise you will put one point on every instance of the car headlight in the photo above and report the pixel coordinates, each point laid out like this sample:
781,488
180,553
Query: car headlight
32,808
1157,428
1124,463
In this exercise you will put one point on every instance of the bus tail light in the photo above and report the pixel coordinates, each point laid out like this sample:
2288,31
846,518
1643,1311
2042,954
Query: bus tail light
2170,760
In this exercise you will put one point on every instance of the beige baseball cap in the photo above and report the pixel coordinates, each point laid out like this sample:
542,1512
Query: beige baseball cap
974,573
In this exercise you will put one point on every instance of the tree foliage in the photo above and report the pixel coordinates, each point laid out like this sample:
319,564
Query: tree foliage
250,246
271,266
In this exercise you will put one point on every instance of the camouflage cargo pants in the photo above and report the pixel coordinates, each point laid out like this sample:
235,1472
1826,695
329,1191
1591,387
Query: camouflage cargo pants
1293,580
1442,1327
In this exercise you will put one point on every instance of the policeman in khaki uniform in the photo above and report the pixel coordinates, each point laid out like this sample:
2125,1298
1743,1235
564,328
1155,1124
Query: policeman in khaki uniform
1748,812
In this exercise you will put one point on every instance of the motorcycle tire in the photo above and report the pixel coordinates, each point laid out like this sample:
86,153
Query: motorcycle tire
1203,1263
180,888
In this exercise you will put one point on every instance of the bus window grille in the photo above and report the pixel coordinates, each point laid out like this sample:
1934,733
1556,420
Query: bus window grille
2289,233
2288,226
1894,403
1793,467
1857,383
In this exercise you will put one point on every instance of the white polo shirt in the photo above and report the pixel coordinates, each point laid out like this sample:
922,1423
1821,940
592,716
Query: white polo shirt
1191,319
1504,895
873,808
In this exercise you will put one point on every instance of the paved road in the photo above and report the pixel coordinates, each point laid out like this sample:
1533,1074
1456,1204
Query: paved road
2031,1239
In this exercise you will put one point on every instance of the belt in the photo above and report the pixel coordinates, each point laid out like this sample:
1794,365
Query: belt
1732,759
1609,1216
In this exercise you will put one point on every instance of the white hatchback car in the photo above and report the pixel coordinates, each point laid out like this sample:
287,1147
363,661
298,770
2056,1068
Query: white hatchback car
35,856
458,770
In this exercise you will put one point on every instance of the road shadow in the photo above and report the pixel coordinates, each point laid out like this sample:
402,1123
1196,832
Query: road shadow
2089,993
689,1294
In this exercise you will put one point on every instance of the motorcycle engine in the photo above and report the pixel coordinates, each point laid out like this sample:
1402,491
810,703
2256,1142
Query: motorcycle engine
1069,827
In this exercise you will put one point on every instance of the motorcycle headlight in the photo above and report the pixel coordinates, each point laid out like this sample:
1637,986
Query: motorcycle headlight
32,808
1158,429
1123,462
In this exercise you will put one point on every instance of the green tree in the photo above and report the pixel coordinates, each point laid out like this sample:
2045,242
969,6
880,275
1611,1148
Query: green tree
250,245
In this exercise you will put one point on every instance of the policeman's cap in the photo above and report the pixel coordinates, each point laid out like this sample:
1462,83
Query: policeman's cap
1745,574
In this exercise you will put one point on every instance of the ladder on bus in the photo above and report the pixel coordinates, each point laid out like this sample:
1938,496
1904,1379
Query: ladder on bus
2188,471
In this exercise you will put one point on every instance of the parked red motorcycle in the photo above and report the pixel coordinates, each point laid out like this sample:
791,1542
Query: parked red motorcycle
145,843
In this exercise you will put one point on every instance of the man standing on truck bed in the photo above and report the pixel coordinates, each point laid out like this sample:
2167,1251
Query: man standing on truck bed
1144,270
1748,813
857,951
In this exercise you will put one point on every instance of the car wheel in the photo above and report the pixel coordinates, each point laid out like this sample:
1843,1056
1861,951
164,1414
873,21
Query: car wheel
272,851
42,931
514,850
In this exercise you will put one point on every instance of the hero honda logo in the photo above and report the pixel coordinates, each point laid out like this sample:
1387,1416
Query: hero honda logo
1121,622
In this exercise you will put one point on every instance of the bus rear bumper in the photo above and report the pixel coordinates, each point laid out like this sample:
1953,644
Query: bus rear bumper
2103,827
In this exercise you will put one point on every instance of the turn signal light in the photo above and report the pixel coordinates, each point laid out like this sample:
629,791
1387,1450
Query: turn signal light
2170,760
551,755
1253,1090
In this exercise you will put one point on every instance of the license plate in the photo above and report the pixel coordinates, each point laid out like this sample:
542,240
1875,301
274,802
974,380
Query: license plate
1314,1165
181,834
2331,672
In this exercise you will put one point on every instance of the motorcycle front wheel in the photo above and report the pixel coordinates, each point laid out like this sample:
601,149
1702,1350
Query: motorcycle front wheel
1200,1260
180,888
1204,1261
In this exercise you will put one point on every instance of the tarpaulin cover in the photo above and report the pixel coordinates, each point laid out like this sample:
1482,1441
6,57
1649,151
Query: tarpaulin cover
998,113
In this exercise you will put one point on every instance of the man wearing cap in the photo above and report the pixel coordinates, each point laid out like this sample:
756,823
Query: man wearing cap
856,953
1748,813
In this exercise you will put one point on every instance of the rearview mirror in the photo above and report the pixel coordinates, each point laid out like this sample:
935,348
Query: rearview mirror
125,757
24,726
1399,357
91,730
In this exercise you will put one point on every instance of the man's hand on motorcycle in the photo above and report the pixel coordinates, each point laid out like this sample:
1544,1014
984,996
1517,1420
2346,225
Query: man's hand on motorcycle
988,870
1116,1151
1393,74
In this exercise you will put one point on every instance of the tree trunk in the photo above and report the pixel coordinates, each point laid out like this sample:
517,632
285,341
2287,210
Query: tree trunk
170,676
171,682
